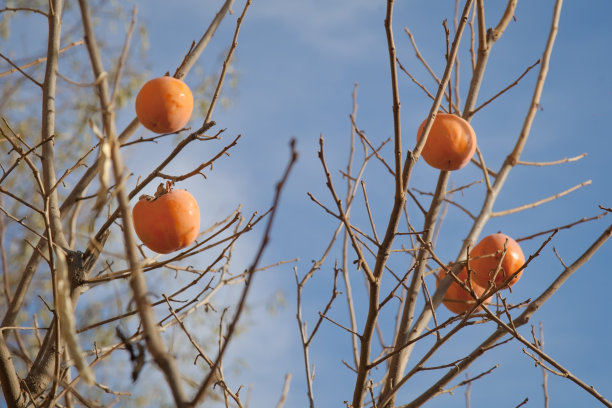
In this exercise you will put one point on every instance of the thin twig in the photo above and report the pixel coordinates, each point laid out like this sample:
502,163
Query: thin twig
194,53
249,277
17,68
31,9
500,93
426,65
323,315
342,214
540,202
552,163
226,63
367,204
544,373
42,59
198,170
417,83
457,62
123,56
285,391
567,226
303,335
220,380
351,184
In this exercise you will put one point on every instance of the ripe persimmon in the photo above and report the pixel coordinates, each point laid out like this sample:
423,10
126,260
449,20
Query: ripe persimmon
167,222
451,142
457,299
486,256
164,104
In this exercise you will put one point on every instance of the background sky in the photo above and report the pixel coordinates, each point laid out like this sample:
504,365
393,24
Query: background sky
296,65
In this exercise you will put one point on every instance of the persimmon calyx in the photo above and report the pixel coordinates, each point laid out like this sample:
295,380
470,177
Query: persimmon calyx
161,190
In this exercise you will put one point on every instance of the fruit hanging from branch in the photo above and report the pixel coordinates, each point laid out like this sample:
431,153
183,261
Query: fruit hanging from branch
451,142
485,258
164,104
167,222
458,300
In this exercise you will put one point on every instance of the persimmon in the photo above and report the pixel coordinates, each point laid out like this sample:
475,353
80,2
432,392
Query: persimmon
167,222
164,104
486,256
451,142
457,299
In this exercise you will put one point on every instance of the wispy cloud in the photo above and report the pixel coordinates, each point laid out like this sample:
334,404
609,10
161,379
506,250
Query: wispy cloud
340,28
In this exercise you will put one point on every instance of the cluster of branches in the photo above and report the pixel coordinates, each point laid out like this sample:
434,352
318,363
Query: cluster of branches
44,366
371,251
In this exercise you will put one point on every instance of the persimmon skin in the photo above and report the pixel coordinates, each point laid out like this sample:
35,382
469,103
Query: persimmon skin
485,256
164,104
457,299
167,223
451,142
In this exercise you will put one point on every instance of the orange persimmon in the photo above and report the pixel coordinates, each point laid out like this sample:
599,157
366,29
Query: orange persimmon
167,222
486,256
457,299
451,142
164,104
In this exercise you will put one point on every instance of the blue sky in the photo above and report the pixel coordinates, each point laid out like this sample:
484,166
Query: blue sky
297,62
